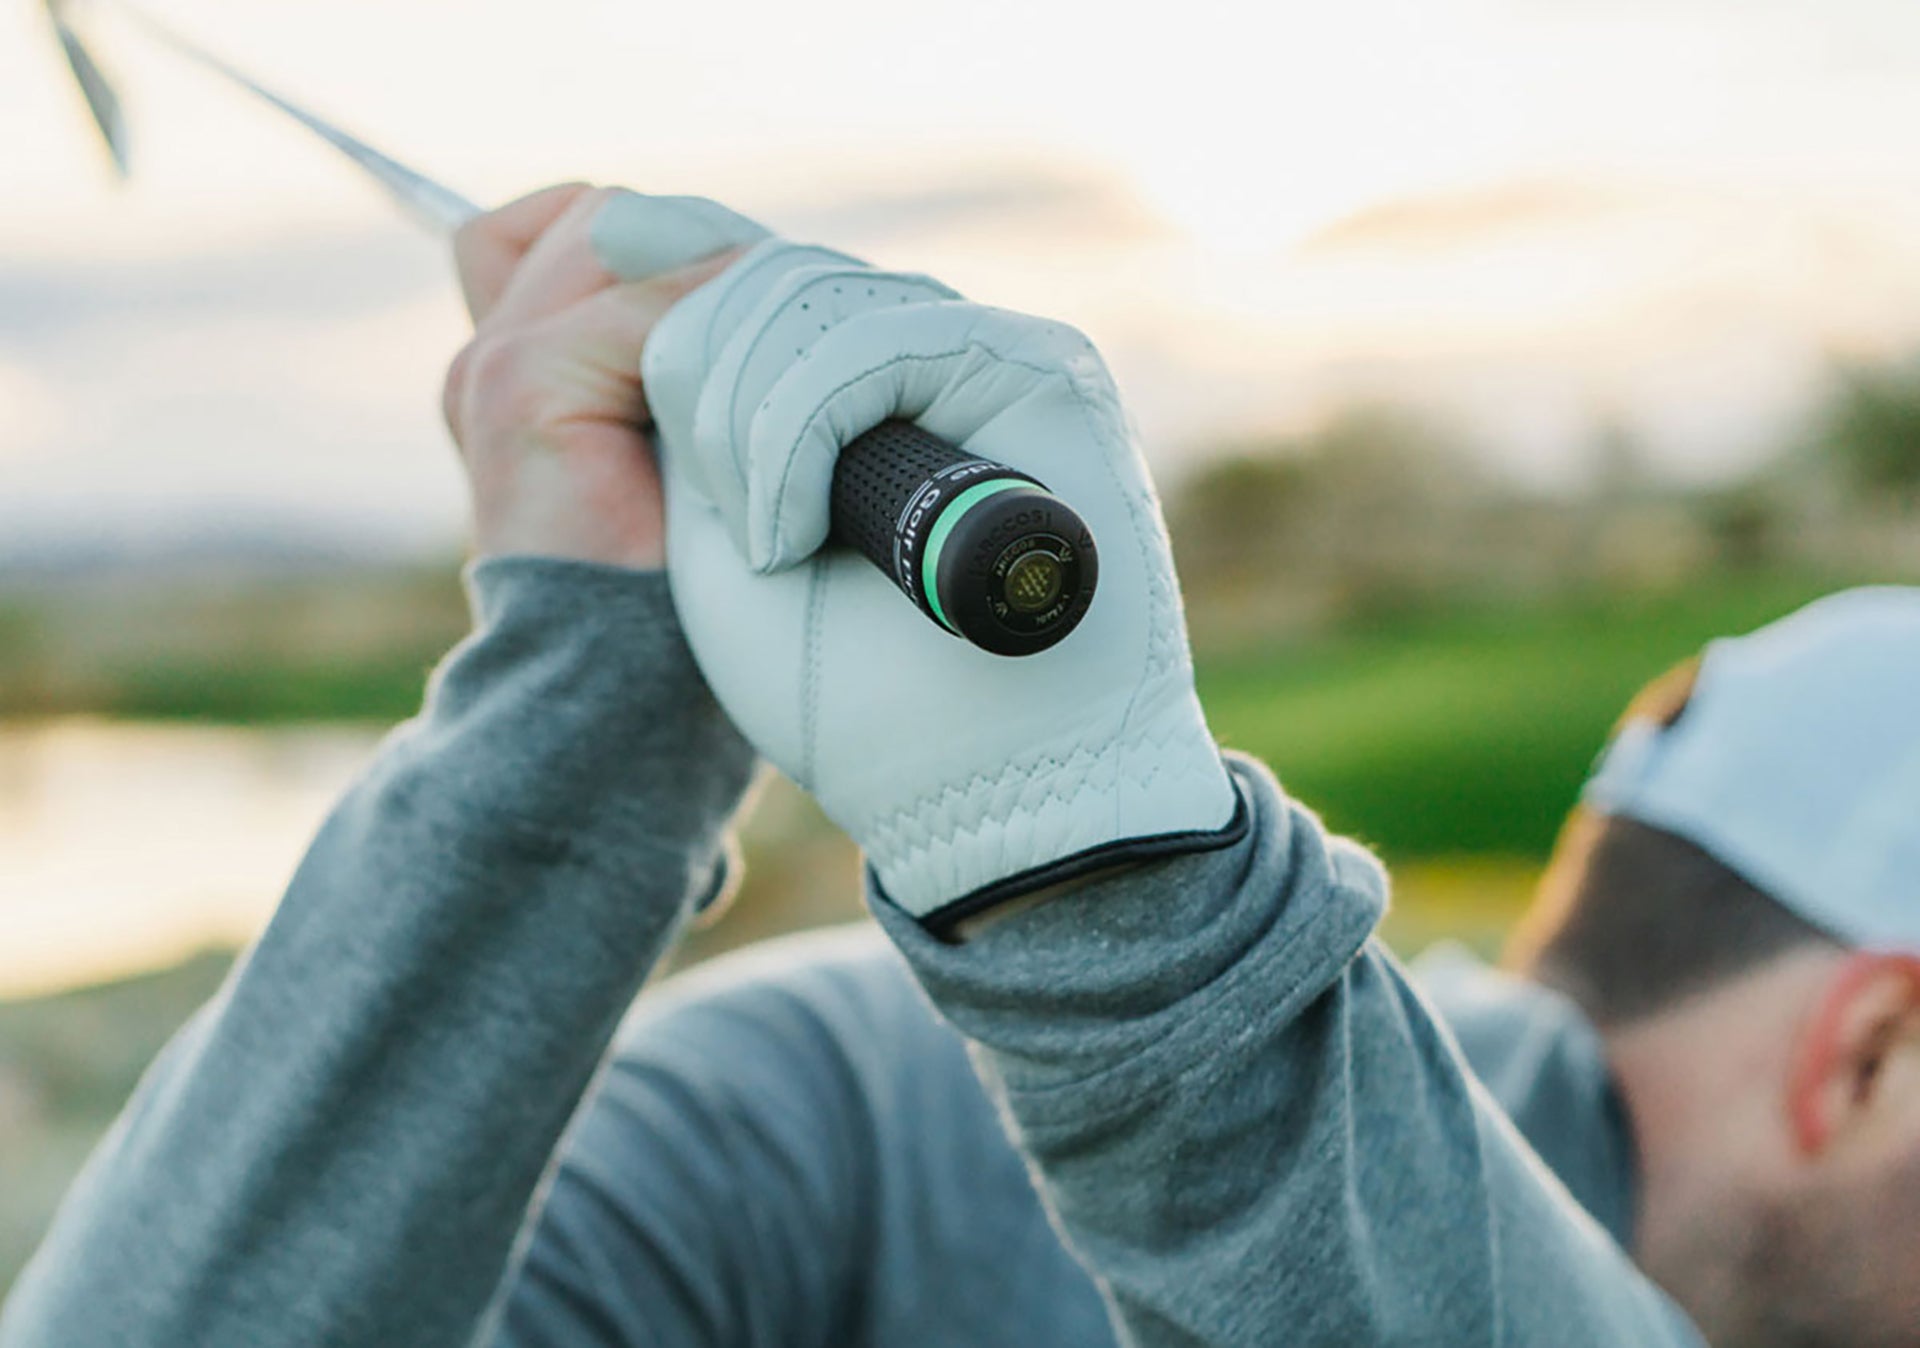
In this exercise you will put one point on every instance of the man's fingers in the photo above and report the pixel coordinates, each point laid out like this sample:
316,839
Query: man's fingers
580,363
609,331
489,249
634,308
560,269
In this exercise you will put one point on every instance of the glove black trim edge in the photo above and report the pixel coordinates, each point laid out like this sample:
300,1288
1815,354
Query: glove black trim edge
943,921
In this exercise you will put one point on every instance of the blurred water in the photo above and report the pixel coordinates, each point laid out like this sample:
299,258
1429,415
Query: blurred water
124,846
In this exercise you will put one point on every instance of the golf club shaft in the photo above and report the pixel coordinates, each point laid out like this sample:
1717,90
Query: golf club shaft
985,552
431,204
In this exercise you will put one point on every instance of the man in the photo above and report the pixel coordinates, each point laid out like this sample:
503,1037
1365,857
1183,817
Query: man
1734,913
1228,1100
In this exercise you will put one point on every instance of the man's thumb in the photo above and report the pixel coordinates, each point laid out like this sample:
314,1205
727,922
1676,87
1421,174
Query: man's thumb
637,237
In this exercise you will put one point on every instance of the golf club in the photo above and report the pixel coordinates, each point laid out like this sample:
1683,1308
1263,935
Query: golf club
983,550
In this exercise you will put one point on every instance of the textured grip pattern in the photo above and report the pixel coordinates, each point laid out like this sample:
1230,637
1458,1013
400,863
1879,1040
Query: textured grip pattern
876,476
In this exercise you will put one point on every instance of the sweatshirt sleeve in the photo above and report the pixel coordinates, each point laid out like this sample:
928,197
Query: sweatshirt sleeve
1251,1129
341,1148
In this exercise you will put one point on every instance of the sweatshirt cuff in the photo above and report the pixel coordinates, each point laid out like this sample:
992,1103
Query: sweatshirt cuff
1115,990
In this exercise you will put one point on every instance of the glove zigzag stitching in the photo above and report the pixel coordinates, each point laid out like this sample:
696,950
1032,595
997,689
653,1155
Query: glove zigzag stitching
1146,527
810,677
895,833
914,816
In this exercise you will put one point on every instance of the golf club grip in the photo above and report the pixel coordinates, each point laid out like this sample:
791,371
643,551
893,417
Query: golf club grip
985,551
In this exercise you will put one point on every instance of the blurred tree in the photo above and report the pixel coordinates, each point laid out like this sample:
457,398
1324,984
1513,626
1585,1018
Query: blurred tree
1619,468
1745,522
1373,513
1870,431
1235,516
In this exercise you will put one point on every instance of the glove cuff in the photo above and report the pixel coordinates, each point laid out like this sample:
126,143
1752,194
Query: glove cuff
946,919
1049,817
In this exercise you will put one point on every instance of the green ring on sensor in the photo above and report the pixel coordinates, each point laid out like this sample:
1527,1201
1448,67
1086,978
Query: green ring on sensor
948,521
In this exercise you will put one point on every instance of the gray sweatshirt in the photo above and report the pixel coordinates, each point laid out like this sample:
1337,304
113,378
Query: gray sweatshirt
1230,1101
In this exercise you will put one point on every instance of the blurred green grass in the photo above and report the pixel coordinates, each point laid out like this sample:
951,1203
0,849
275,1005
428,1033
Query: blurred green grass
382,688
353,644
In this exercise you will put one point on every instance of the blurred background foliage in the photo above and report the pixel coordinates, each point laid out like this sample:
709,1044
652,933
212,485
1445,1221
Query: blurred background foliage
1427,653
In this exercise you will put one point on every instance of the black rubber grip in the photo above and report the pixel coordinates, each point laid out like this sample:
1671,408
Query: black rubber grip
982,549
874,482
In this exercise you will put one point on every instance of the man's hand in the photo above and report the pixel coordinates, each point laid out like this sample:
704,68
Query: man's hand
969,779
546,402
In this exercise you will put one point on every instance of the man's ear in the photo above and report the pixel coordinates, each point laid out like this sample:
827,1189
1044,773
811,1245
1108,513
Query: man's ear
1869,1013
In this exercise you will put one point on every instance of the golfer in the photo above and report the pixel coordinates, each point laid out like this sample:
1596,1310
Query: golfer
1122,1061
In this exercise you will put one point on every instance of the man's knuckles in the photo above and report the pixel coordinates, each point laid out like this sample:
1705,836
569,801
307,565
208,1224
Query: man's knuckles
488,248
499,380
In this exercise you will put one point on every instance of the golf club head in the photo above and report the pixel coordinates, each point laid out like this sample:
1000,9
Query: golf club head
430,203
102,102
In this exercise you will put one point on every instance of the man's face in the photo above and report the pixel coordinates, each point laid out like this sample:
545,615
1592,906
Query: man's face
1812,1239
1835,1262
1778,1122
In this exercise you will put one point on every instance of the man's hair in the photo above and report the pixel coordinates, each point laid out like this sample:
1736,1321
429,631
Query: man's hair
1631,919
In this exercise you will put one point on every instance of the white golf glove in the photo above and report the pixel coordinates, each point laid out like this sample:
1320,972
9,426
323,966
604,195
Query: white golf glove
967,778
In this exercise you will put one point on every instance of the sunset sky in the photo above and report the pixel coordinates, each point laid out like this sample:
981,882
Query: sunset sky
1524,216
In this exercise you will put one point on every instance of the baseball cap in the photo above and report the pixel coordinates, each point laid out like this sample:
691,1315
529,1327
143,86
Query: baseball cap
1797,764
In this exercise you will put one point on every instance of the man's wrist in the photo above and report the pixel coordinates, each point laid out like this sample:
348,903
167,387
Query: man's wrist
496,578
569,520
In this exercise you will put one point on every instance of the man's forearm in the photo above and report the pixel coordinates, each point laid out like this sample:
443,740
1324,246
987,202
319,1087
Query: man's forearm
1250,1128
342,1148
